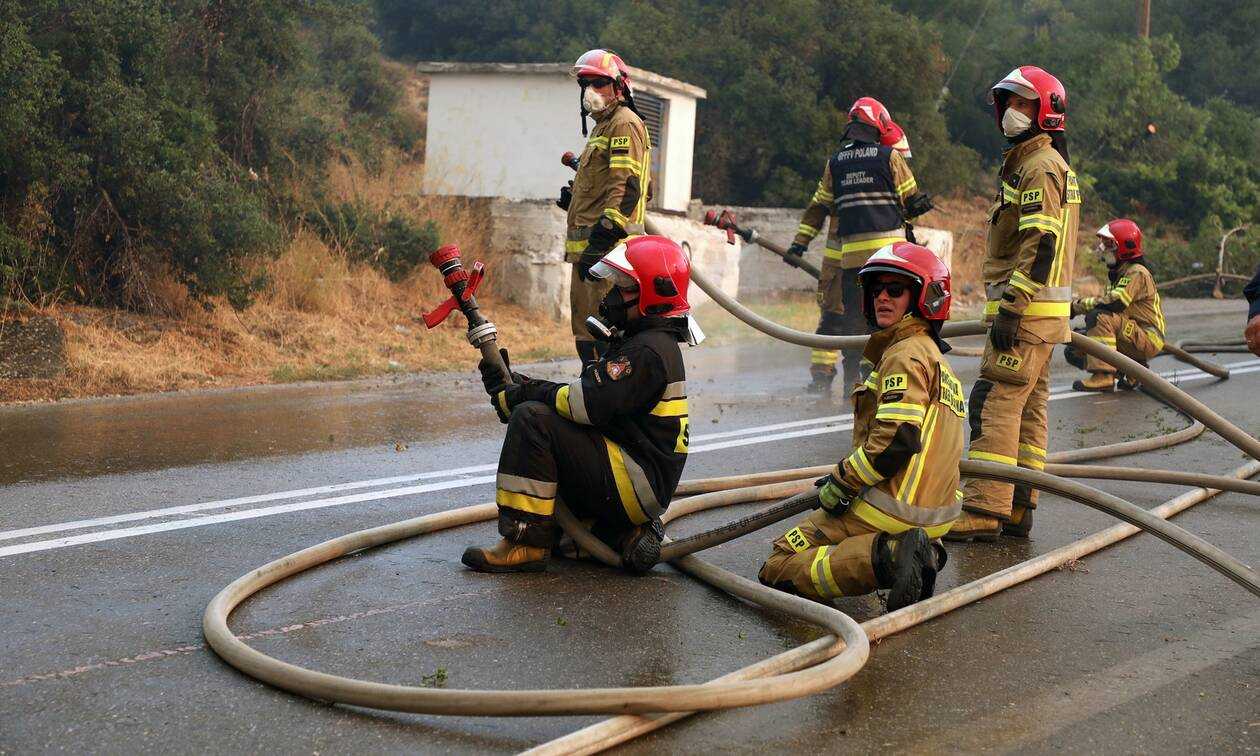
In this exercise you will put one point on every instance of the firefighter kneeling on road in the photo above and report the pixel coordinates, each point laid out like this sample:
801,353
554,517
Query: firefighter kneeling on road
611,444
1129,317
884,504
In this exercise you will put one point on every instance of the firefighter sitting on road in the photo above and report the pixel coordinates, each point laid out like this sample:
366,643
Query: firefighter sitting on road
884,503
1128,318
612,444
607,198
869,193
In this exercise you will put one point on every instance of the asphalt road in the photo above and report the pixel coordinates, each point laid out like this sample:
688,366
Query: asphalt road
120,519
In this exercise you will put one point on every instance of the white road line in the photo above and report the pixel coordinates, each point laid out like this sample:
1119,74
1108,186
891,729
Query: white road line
763,436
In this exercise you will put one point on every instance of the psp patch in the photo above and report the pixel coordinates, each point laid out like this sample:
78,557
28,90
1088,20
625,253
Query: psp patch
618,368
622,142
894,382
1010,362
796,539
1030,201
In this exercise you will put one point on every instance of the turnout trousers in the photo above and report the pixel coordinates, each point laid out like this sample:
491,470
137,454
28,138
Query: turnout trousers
824,557
546,457
840,300
1120,332
1008,423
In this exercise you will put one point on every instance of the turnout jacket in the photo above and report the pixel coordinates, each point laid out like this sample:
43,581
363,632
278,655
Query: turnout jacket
636,396
613,178
864,189
907,433
1133,294
1032,239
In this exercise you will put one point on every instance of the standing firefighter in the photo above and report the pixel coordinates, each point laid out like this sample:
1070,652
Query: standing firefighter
610,191
611,444
884,503
1028,275
1129,317
869,193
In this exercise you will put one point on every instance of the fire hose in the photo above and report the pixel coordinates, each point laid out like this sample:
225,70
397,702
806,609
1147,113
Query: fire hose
810,668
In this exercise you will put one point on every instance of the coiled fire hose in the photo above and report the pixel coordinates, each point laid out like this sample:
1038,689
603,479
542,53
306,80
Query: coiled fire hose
810,668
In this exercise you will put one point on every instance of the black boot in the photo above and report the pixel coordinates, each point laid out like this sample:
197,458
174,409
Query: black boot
821,383
641,550
906,565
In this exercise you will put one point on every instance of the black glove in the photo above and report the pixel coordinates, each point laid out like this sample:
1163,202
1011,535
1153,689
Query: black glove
918,205
566,197
604,236
833,495
491,378
797,250
1004,330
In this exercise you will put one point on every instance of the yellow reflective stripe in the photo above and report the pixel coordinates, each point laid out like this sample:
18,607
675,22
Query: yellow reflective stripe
904,411
617,216
823,357
576,245
1009,193
1123,296
1031,449
598,141
1060,244
562,402
1036,309
524,502
1159,316
501,398
833,253
863,467
670,408
881,520
910,486
868,244
907,186
820,574
985,456
807,230
1042,222
629,164
1157,340
1025,284
1105,340
1033,457
625,489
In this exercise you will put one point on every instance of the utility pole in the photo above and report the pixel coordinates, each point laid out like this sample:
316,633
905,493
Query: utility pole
1144,18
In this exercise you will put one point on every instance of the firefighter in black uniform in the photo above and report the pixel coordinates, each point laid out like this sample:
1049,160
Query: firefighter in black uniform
611,444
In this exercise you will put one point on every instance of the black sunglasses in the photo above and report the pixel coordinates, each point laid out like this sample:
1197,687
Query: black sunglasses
894,288
597,82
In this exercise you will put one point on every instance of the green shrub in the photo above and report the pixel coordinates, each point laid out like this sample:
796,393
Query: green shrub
387,241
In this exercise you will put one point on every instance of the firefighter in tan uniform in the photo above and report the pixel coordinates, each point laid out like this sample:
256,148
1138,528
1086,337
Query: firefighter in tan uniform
609,194
1128,317
869,193
1028,276
884,503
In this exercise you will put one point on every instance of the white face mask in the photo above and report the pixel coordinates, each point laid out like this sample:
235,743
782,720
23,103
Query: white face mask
593,100
1015,123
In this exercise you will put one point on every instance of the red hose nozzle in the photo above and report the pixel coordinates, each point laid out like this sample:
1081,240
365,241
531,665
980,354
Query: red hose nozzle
570,160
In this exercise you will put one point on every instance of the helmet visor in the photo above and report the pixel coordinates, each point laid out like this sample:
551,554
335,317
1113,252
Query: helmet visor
616,268
1027,92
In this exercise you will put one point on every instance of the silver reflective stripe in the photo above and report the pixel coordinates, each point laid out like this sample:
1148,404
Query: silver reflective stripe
860,203
995,291
675,390
577,403
922,516
642,489
869,195
516,484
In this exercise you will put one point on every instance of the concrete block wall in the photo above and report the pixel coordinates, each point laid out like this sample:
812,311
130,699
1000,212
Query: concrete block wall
528,236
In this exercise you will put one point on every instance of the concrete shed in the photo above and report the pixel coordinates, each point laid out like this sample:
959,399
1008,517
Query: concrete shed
499,129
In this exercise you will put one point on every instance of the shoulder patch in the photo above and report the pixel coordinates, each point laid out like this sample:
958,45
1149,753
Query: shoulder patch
619,141
951,392
894,382
1073,189
1124,281
1030,195
618,368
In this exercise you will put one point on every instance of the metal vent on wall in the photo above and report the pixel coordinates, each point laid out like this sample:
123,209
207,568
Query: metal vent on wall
655,112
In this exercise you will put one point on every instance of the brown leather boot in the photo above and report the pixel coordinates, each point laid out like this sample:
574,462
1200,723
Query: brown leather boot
1102,382
506,556
1020,524
974,527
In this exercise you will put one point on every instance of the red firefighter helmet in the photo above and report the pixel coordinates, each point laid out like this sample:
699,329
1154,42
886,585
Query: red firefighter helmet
1126,237
930,275
603,63
1033,83
896,138
657,266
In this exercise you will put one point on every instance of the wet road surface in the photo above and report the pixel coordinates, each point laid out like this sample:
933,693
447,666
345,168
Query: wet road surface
120,519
